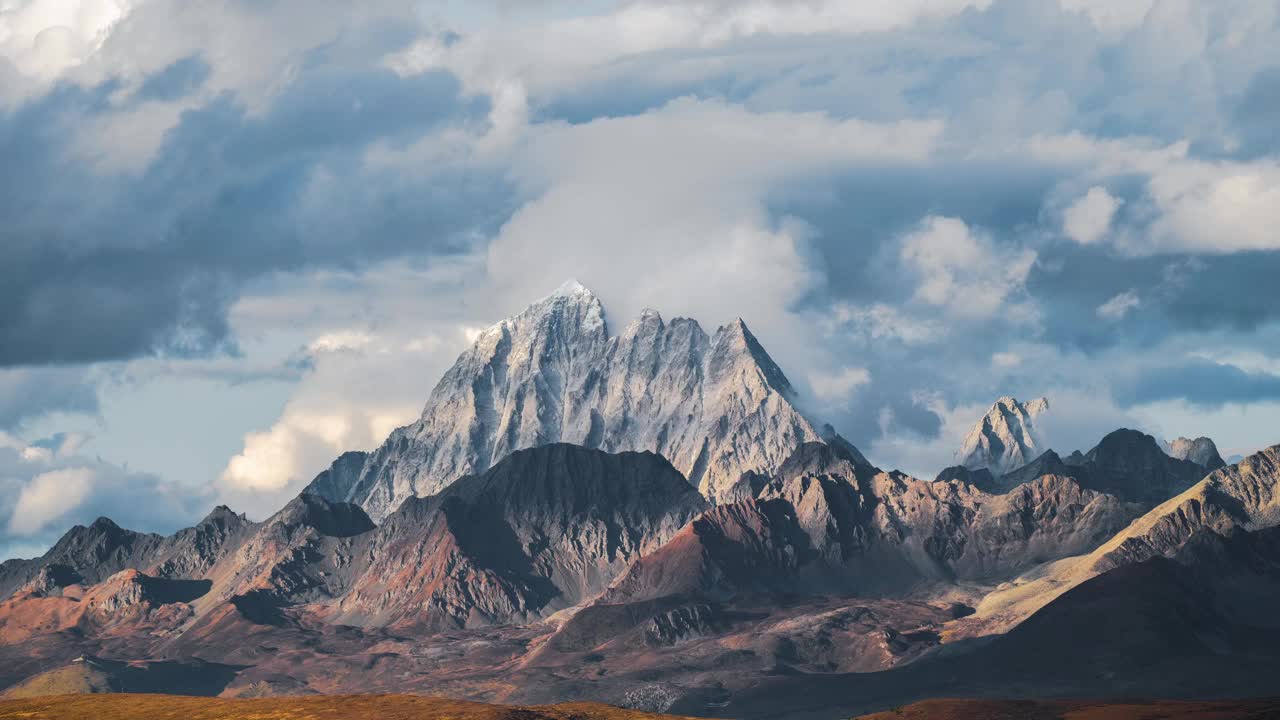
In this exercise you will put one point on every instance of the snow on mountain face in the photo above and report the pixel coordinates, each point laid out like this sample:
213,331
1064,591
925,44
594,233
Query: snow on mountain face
715,406
1005,438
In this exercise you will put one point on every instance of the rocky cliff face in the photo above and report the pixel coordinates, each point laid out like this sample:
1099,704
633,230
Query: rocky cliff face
1005,438
716,405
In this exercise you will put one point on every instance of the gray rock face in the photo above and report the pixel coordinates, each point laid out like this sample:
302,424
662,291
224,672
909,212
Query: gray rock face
1005,438
715,406
1200,451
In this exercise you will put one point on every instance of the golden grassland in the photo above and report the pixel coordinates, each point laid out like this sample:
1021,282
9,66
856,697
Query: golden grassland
318,707
1081,710
414,707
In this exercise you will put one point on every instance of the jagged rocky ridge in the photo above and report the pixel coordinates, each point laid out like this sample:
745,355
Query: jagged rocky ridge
1245,496
1126,463
830,524
87,555
715,405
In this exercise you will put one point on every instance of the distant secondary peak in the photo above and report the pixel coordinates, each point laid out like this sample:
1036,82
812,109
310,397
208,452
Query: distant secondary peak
104,523
1200,451
1005,438
221,512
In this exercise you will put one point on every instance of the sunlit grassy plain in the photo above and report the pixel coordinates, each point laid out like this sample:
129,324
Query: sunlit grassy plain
323,707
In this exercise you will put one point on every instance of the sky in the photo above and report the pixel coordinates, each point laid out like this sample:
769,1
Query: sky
241,237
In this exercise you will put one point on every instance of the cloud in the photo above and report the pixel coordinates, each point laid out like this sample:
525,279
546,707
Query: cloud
27,393
1006,360
47,486
151,264
1119,306
880,322
668,209
371,360
1089,219
834,388
227,192
963,270
1218,207
48,497
1200,383
44,38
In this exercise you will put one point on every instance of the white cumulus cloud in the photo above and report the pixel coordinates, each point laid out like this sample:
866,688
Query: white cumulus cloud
48,497
1089,218
962,269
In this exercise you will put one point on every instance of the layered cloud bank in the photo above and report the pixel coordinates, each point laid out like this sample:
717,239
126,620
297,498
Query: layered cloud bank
917,206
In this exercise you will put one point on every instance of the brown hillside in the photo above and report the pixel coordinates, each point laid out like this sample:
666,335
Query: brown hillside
327,707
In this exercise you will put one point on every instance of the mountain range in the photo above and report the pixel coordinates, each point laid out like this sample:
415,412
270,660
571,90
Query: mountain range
648,519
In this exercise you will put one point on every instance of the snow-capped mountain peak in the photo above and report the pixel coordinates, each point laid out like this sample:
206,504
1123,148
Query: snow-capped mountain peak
715,406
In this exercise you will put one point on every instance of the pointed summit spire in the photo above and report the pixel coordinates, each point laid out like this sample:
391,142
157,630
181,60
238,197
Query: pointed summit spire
572,287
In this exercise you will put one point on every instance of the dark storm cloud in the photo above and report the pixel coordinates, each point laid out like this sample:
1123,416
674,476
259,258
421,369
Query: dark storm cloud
29,391
98,266
1177,294
1205,384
